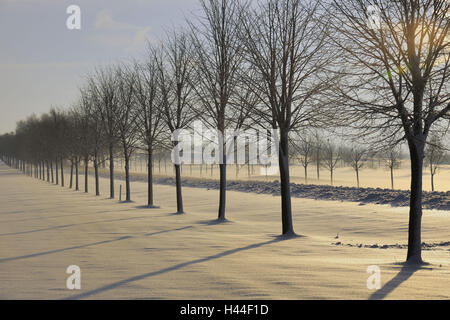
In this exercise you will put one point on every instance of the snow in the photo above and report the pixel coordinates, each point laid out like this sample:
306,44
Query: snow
400,198
126,251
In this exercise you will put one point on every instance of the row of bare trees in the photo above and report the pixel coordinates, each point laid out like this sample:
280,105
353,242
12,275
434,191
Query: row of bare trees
310,149
284,64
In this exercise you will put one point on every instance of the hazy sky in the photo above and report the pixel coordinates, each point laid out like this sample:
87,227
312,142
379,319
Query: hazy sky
43,63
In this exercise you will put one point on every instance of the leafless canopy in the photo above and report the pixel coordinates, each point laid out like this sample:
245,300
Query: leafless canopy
394,66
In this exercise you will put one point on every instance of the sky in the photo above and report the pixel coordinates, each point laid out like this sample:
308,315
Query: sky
43,63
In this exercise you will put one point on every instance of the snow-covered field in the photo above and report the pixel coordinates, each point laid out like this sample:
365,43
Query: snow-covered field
126,251
374,176
397,198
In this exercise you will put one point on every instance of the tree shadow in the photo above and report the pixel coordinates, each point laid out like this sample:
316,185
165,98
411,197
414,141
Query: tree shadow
214,222
288,236
177,213
405,273
165,231
146,206
86,245
69,225
51,217
125,201
63,249
120,283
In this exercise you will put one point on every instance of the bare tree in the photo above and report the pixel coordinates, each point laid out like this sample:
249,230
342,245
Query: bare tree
356,157
285,52
96,140
331,154
83,143
175,68
58,134
218,55
318,145
434,156
150,124
394,69
126,117
393,161
104,86
304,149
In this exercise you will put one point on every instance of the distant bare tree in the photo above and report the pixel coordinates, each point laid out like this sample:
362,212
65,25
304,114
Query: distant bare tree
434,156
57,118
126,118
92,111
318,145
83,146
105,90
393,161
356,157
331,154
78,136
304,150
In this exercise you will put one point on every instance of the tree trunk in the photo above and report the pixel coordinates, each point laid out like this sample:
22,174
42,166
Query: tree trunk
150,178
178,185
86,172
48,172
318,166
76,174
71,174
392,177
62,172
306,174
51,169
286,208
127,177
111,171
56,170
222,189
432,176
357,178
97,185
416,149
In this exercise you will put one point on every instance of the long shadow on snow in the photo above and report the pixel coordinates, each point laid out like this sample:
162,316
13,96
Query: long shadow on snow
173,268
69,225
86,245
405,273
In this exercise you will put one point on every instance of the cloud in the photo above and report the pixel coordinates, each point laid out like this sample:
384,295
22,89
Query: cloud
112,33
105,21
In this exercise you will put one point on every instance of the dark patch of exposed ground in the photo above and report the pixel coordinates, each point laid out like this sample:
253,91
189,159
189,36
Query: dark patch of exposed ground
425,246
